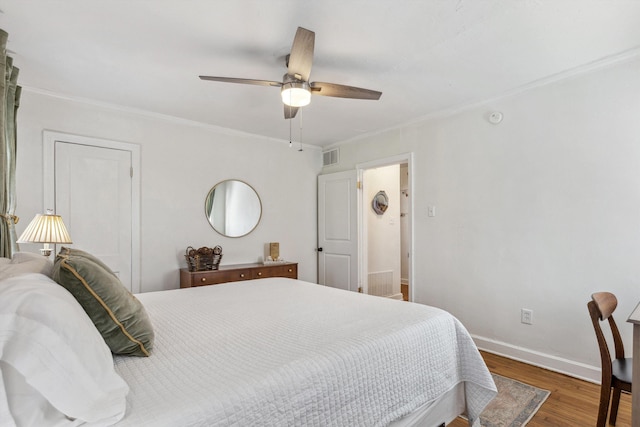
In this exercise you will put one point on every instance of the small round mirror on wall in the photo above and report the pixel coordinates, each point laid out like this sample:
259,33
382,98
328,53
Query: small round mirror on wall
380,202
233,208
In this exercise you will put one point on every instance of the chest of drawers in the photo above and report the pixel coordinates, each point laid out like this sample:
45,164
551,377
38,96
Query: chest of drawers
237,272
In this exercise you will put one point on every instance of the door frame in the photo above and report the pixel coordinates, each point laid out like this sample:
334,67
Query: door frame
49,141
405,158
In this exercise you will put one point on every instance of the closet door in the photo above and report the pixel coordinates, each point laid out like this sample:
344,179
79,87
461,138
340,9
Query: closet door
94,192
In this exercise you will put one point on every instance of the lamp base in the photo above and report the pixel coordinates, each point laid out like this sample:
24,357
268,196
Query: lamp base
45,252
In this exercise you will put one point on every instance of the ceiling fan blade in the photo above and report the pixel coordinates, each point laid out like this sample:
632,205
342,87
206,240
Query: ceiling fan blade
301,56
243,81
290,112
342,91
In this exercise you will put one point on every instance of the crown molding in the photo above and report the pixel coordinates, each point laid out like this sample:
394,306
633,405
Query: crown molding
597,65
158,116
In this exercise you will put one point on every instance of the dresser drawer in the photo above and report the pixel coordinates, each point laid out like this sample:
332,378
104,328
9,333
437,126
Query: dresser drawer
261,273
289,270
204,278
235,275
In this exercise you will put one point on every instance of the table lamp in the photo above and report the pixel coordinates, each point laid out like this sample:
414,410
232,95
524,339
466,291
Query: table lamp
47,228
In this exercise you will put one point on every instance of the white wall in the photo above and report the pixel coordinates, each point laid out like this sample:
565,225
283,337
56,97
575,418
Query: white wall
181,161
537,212
383,231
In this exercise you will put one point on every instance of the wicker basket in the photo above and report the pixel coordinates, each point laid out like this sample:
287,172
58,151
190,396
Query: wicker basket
203,258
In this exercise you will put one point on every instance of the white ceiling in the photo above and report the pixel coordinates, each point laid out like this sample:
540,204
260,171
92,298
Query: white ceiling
425,56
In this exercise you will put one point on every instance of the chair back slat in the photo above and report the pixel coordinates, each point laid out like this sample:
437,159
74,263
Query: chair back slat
605,356
605,304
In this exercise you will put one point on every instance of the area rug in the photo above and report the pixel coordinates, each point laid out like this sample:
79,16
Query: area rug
515,404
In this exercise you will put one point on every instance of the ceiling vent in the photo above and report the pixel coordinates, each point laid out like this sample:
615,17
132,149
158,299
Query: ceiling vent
330,157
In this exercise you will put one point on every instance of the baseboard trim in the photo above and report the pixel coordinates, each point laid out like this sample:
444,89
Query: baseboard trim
553,363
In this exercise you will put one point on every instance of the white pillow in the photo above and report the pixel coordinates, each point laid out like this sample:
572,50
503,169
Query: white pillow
5,265
52,346
25,262
20,257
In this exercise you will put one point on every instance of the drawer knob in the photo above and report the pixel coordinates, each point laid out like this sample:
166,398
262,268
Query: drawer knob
290,270
241,274
204,279
260,273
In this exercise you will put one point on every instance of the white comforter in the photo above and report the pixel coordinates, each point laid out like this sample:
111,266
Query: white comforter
282,352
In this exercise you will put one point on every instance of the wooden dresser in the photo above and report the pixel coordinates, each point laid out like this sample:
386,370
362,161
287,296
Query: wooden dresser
237,272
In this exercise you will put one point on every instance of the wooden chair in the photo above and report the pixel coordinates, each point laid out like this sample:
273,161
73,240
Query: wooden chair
616,373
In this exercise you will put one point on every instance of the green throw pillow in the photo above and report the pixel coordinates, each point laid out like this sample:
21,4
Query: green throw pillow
82,254
118,315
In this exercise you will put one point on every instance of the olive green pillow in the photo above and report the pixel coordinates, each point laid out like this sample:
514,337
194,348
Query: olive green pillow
82,254
117,314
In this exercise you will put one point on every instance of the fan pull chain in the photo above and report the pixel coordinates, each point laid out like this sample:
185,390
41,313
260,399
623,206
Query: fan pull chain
290,119
301,129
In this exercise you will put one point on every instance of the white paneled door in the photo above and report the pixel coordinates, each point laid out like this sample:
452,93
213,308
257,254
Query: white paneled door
337,230
93,194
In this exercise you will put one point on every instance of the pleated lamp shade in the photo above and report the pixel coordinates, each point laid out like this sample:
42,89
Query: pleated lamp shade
46,229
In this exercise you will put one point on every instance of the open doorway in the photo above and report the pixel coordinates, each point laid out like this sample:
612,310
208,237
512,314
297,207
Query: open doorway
385,261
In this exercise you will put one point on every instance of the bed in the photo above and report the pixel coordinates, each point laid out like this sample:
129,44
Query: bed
269,352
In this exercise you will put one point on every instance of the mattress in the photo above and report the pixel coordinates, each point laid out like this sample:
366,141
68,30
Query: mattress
277,351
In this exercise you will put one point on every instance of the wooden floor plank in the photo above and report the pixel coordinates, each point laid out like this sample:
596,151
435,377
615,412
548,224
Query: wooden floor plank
572,402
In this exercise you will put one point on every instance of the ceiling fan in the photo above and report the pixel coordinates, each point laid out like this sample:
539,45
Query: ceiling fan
295,88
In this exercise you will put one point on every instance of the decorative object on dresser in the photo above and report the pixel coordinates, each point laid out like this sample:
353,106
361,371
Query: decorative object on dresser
203,258
236,273
272,255
274,250
46,229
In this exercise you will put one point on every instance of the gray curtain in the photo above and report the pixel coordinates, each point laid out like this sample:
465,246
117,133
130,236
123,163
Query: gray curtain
9,102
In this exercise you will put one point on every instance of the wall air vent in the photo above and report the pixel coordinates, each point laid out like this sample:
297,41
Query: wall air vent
330,157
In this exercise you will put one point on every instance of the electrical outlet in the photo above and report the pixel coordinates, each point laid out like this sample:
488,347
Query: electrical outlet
526,316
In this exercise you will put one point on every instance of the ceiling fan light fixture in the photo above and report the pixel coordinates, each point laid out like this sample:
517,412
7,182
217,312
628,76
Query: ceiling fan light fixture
296,94
295,88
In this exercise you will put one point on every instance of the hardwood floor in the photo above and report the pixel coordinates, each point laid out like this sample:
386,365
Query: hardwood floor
572,402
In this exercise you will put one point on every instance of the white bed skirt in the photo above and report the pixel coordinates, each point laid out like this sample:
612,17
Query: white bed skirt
443,410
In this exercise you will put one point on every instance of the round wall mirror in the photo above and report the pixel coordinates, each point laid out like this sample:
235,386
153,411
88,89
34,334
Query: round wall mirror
233,208
380,202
